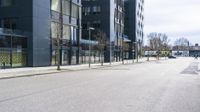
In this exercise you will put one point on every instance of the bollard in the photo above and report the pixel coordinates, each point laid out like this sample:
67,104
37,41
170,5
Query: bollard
4,65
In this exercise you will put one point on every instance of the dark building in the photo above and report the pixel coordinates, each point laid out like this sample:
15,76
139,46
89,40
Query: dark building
107,16
134,24
194,51
28,29
70,43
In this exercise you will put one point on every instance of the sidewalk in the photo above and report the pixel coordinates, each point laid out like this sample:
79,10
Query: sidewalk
32,71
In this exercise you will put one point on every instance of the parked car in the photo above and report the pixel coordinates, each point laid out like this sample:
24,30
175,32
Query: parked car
171,57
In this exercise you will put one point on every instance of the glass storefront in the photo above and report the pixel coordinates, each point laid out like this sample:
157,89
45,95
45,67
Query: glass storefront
65,57
73,57
13,51
96,56
69,53
68,57
53,57
19,57
5,57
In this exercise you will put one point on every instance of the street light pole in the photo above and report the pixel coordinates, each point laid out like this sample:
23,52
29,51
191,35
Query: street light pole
188,48
90,28
136,51
122,50
148,55
60,36
110,55
11,43
133,52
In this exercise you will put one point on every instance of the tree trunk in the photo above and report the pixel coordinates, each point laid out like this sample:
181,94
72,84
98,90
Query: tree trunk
101,57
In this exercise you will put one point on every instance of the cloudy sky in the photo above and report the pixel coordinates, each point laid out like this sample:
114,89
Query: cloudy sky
176,18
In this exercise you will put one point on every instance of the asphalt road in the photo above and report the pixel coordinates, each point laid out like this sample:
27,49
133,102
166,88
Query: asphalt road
164,86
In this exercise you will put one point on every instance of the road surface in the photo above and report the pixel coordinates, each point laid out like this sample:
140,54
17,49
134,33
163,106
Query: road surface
162,86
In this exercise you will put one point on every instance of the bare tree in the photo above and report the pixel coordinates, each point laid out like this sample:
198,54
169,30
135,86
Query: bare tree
57,30
158,42
56,35
100,36
181,44
125,48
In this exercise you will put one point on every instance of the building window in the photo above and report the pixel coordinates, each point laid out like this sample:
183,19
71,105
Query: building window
73,35
66,7
19,42
86,10
9,23
66,32
55,31
5,42
96,9
1,23
7,3
75,11
55,27
55,5
96,24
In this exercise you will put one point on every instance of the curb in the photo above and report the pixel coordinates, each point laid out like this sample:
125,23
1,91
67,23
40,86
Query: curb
29,75
70,70
62,71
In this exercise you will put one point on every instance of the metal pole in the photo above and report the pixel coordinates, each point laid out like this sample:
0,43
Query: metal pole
123,50
132,51
188,49
110,52
90,28
137,50
89,47
148,55
11,49
11,44
61,35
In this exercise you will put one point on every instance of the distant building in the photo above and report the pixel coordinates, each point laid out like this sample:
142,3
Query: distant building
194,50
184,53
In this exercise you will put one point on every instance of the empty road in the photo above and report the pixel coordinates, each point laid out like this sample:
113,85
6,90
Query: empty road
157,86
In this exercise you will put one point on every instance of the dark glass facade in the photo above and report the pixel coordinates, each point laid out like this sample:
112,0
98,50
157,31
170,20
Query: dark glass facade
108,16
70,42
32,33
134,24
13,50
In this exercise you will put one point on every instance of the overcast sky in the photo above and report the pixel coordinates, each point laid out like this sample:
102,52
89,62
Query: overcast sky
176,18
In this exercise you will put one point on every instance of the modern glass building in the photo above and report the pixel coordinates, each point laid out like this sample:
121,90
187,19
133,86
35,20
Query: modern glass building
107,16
28,30
70,41
134,24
